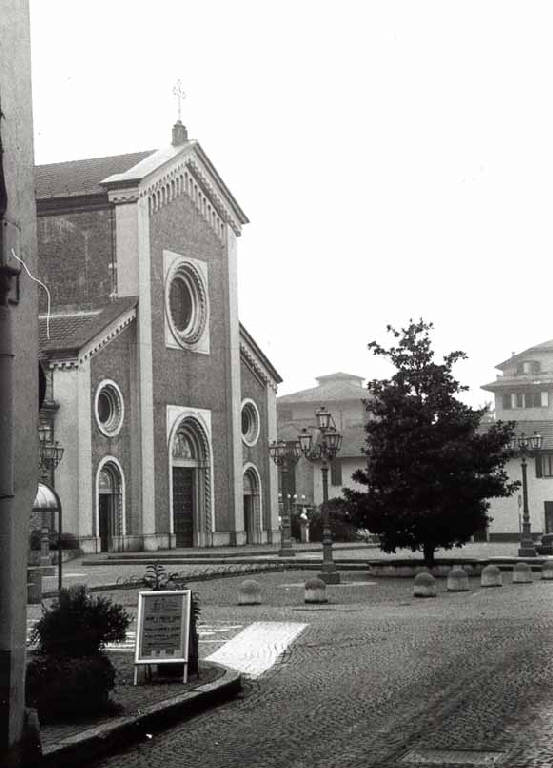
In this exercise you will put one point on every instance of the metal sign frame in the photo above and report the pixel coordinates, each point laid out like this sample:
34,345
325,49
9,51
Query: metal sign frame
185,600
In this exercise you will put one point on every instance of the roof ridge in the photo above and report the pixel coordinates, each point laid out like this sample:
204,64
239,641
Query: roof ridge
103,157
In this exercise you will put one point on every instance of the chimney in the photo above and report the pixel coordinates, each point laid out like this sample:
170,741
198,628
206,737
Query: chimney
180,134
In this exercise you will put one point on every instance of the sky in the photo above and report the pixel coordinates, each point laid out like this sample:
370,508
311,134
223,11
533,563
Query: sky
395,159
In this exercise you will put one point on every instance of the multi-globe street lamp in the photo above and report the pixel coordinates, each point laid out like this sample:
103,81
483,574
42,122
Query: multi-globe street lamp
51,454
526,446
324,449
286,455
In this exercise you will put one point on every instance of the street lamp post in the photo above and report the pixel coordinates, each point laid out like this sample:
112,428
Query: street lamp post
324,450
285,455
526,446
51,454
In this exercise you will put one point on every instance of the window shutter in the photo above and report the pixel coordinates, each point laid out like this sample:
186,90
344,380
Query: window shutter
544,399
539,470
336,472
548,509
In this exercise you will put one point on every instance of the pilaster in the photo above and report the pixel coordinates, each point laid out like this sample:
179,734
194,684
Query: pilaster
235,399
87,511
145,370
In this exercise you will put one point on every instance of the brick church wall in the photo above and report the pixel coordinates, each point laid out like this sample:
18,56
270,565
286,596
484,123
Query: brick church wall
188,378
258,454
114,362
76,250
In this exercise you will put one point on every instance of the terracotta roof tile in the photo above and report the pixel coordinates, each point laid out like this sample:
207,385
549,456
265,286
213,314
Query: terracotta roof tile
81,177
338,386
70,330
543,427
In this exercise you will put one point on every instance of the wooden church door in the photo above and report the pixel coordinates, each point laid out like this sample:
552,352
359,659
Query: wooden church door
183,505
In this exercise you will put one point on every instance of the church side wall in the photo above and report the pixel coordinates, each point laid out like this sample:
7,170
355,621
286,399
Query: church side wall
258,454
183,377
65,393
113,362
76,251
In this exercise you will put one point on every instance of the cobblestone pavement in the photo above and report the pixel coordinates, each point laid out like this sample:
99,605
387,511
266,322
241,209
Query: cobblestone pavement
377,673
79,572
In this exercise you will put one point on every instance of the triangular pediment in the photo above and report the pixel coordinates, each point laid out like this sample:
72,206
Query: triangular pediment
181,169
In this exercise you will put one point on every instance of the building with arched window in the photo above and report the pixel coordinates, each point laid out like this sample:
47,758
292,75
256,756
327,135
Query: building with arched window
163,402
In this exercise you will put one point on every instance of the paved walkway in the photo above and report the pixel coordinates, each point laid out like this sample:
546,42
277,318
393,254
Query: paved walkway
378,678
83,571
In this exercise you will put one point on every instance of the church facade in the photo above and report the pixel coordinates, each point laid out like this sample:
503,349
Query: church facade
162,400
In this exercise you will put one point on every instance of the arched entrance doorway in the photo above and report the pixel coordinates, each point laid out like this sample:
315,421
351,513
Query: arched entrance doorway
110,505
190,484
250,484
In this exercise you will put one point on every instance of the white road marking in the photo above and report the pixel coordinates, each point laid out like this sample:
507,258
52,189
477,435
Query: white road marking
256,648
129,643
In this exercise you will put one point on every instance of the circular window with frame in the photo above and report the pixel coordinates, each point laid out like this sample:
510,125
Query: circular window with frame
186,303
109,408
250,422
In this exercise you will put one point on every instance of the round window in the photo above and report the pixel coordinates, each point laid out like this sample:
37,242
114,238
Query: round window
186,303
109,408
250,422
181,303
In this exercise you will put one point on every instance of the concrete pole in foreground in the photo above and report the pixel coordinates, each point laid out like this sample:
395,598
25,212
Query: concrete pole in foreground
18,368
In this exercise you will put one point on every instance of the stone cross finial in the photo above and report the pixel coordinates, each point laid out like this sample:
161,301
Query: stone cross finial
180,94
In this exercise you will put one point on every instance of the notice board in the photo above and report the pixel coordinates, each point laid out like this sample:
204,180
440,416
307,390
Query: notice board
163,627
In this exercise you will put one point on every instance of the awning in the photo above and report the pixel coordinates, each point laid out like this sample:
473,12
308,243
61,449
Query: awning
45,498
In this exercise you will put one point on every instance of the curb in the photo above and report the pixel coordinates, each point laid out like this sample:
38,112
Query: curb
107,558
287,565
107,738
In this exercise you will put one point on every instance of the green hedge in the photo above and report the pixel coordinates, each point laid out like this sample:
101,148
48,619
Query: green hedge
68,687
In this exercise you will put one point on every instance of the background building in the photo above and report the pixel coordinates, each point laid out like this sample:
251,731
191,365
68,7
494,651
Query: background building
523,393
163,402
342,394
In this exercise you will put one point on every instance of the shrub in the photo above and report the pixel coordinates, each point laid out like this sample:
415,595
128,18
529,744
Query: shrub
68,540
156,577
341,523
60,687
79,625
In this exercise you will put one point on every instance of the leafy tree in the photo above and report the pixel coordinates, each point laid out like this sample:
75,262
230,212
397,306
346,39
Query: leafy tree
430,469
341,522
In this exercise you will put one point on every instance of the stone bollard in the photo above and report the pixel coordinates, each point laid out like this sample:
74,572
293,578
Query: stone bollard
425,585
34,586
522,574
315,591
547,570
249,593
457,580
491,577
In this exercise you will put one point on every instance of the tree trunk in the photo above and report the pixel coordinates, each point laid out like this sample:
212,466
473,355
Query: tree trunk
428,550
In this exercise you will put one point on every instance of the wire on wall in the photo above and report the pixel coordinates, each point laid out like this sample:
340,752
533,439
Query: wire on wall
14,254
